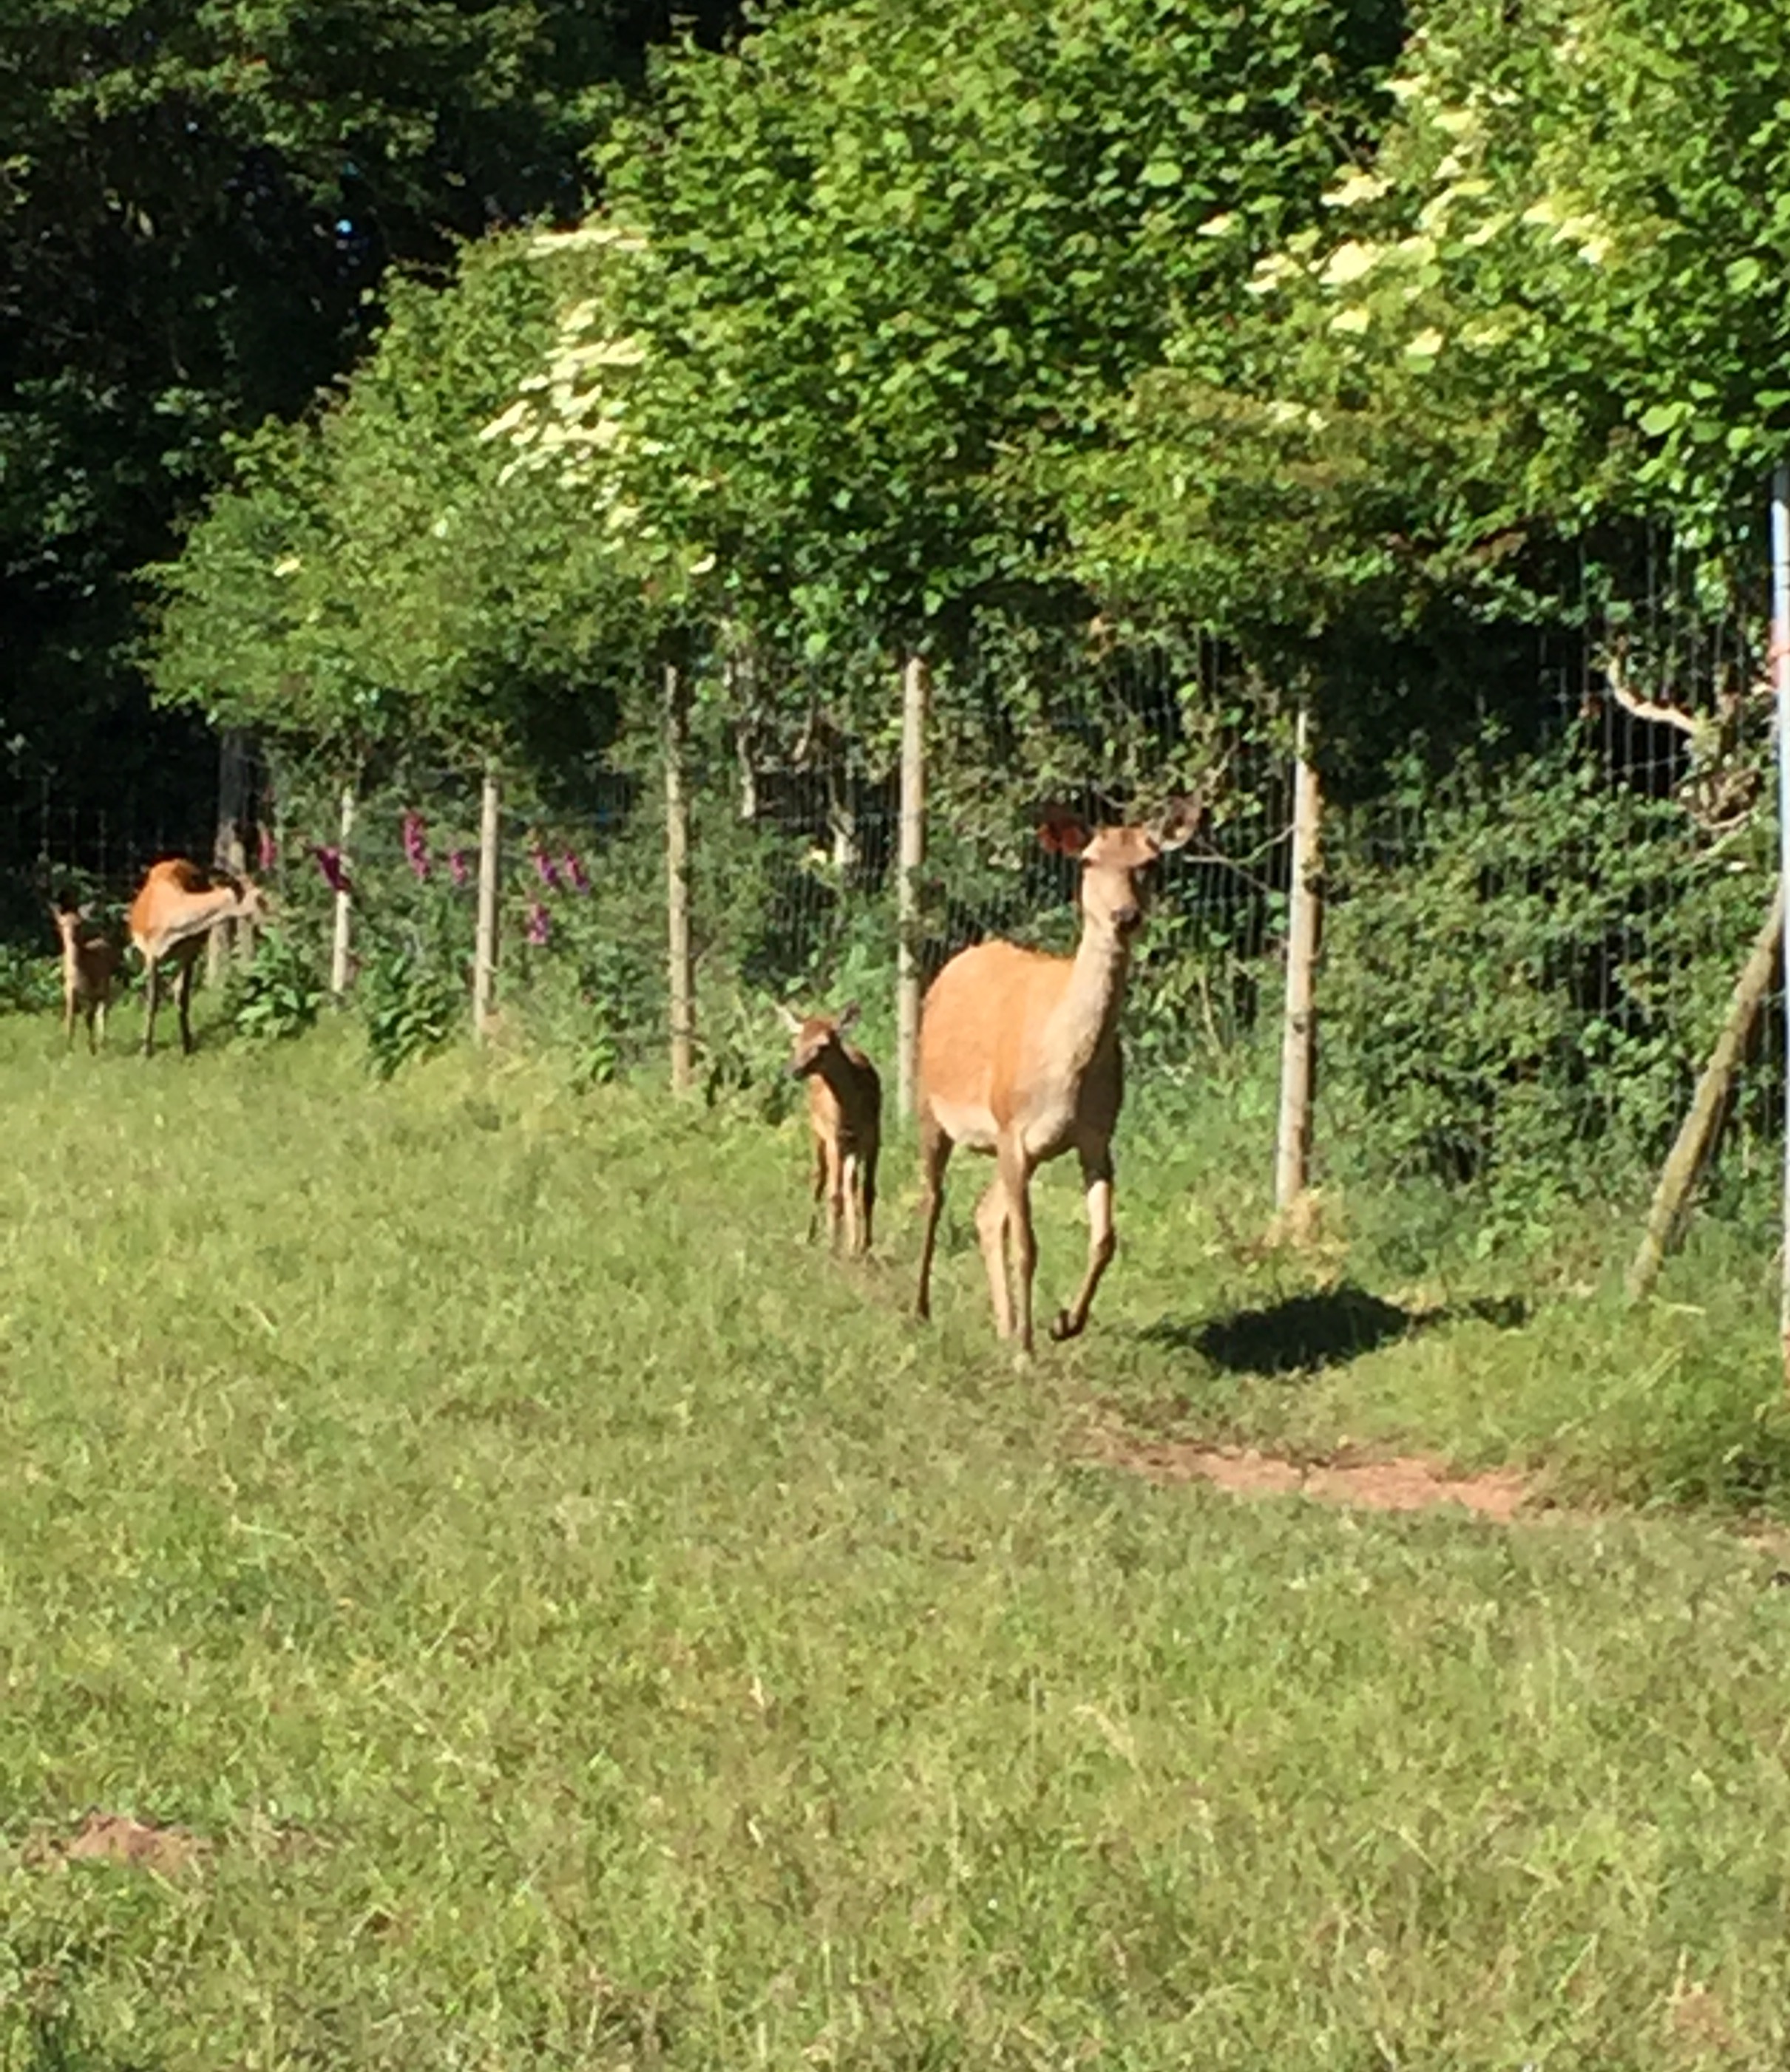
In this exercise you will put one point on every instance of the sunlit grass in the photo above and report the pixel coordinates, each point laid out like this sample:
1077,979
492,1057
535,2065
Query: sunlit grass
588,1628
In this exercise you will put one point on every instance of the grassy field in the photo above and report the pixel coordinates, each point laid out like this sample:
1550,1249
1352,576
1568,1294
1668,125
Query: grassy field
580,1626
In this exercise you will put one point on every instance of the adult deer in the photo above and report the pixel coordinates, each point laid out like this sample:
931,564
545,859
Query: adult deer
844,1116
89,963
1019,1058
176,907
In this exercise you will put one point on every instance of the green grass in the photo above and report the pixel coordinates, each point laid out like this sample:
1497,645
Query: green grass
589,1629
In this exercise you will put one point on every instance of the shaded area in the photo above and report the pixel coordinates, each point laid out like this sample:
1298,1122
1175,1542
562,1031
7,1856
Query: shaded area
1306,1333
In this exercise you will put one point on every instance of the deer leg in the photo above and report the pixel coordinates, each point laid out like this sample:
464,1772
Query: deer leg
819,1188
991,1229
935,1155
1097,1177
68,1017
96,1025
866,1181
187,970
152,997
836,1195
1016,1183
852,1174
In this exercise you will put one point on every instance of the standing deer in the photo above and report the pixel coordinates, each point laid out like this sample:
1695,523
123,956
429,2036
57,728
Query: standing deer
89,962
844,1113
1019,1058
176,907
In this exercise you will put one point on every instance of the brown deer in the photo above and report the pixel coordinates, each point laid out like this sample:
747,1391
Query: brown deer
844,1113
89,963
1019,1058
176,907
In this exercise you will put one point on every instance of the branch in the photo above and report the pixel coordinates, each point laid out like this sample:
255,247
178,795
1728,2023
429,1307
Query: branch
1647,709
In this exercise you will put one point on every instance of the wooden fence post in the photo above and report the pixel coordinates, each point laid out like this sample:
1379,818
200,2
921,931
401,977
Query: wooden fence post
1702,1126
913,691
484,941
233,750
1293,1139
678,881
344,925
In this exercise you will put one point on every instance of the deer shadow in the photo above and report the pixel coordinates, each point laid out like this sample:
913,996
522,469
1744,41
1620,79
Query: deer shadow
1305,1333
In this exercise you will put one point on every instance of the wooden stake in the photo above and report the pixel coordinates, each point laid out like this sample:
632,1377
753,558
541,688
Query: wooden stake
344,924
915,686
680,969
1780,675
233,750
484,942
1701,1127
1293,1139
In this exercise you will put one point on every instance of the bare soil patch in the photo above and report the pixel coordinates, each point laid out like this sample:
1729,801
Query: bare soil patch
120,1838
1407,1482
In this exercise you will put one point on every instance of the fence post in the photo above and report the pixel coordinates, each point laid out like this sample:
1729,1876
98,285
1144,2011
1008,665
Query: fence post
914,689
1696,1140
678,881
1293,1139
344,925
484,941
227,850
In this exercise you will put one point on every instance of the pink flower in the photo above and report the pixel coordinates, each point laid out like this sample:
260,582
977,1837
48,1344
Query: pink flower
456,866
547,870
329,861
416,844
540,925
575,870
266,849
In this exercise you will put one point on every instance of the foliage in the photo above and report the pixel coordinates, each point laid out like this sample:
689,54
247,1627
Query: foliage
199,209
1511,1002
277,994
409,1009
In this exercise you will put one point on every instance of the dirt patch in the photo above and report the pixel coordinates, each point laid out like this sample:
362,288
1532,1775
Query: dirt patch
1405,1483
118,1837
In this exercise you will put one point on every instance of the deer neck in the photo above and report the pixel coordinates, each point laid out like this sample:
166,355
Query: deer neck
1088,1010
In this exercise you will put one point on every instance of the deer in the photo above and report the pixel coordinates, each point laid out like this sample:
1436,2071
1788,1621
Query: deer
89,963
176,907
844,1116
1019,1059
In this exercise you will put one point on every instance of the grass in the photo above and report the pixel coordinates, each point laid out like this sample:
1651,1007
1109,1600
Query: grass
587,1628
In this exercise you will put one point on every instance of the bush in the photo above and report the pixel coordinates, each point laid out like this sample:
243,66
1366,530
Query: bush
277,993
1523,1002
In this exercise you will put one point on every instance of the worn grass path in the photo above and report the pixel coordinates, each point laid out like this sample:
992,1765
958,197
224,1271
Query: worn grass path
578,1626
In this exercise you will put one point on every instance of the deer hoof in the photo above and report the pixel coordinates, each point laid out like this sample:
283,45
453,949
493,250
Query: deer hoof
1063,1326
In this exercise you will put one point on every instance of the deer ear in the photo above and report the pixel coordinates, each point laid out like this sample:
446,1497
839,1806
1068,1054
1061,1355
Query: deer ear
791,1020
846,1018
1062,834
1178,823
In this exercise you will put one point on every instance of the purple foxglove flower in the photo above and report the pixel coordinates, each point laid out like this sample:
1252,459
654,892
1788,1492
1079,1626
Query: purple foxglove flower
540,925
574,871
547,870
329,861
416,845
266,849
456,866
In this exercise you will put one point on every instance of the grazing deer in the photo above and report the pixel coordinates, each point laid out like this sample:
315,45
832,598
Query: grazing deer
89,963
845,1112
1019,1058
176,907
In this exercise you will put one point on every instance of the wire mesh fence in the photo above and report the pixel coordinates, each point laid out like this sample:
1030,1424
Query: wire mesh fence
1527,941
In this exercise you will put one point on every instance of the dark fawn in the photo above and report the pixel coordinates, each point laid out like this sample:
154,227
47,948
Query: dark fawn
844,1113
